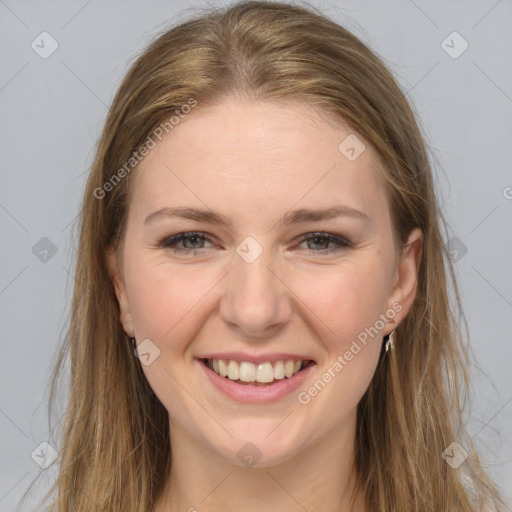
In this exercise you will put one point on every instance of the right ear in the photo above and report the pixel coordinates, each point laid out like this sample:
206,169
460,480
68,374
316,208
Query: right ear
122,296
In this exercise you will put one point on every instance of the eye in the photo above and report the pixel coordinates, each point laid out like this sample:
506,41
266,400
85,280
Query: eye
325,242
192,241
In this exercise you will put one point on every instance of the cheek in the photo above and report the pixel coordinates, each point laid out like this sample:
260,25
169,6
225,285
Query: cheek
348,299
166,305
162,296
350,304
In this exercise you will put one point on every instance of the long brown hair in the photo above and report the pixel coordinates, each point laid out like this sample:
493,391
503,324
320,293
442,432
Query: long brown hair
114,444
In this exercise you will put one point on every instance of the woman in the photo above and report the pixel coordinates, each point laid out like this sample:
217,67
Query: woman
260,222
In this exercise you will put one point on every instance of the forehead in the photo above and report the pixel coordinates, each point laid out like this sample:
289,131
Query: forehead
249,153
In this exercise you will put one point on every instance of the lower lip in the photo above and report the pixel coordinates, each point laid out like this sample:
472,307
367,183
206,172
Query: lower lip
253,394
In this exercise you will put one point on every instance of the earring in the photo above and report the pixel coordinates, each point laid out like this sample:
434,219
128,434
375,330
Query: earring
131,336
390,342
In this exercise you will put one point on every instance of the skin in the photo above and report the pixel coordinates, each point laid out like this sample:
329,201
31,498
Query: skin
253,162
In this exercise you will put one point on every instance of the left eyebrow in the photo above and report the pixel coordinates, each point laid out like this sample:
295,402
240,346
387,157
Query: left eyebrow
300,216
308,215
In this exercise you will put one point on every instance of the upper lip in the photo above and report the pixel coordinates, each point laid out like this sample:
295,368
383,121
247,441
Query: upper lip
256,359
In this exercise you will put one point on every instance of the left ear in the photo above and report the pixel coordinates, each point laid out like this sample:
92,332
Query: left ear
405,282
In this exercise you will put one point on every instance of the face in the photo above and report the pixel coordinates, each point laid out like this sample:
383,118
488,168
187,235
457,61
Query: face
252,237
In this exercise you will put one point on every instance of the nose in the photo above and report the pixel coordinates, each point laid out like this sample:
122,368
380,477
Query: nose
255,302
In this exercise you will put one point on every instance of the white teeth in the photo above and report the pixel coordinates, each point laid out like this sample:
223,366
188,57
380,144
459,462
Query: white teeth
279,370
233,370
249,372
265,373
223,369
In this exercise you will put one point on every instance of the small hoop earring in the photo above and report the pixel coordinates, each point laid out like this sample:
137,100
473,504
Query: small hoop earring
390,342
131,336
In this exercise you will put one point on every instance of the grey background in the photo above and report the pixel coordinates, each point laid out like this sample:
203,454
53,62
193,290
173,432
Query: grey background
52,111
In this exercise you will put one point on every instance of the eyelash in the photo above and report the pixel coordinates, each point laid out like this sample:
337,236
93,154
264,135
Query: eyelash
171,242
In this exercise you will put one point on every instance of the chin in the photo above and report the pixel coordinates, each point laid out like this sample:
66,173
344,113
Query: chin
261,445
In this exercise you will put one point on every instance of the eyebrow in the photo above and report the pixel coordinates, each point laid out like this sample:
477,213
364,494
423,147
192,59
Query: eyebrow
300,216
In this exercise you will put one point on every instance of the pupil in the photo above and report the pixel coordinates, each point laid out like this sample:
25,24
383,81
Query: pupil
317,238
192,239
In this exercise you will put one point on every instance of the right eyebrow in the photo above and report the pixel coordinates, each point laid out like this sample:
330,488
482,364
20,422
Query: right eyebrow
183,212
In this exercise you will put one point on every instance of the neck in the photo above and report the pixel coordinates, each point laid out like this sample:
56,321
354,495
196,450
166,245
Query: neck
319,478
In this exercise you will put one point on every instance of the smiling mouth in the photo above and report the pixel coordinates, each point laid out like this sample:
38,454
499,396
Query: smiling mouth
262,374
